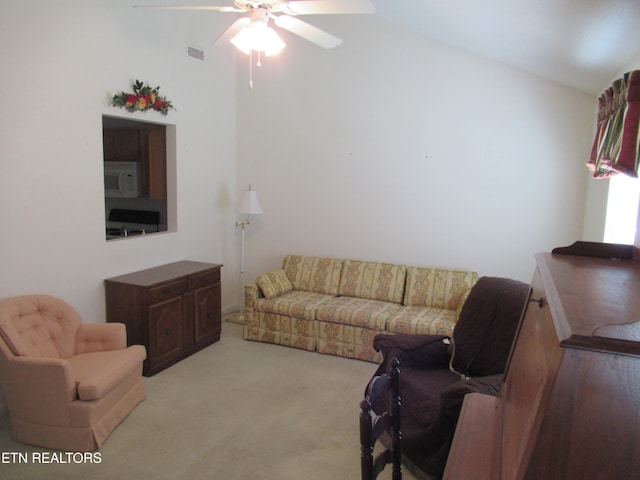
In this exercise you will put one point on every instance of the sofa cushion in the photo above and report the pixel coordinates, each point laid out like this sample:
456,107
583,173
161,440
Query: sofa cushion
295,303
371,280
313,274
97,373
361,312
274,284
347,341
433,321
434,287
282,330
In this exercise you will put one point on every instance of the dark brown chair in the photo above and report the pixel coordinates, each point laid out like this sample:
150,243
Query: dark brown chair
437,371
385,423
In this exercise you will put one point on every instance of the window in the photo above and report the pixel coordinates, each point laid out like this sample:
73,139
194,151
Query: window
622,210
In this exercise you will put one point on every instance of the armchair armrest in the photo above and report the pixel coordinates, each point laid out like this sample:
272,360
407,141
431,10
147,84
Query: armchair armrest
453,396
417,351
41,389
100,337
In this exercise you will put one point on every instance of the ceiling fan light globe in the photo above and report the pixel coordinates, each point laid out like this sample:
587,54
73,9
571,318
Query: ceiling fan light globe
272,43
241,43
258,37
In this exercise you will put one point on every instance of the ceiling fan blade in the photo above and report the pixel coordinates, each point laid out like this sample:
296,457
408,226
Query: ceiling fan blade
320,7
231,32
194,7
307,31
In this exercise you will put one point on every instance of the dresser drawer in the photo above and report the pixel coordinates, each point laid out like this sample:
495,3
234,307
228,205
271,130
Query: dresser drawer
167,291
210,277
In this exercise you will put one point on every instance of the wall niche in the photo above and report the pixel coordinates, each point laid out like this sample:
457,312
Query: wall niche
139,173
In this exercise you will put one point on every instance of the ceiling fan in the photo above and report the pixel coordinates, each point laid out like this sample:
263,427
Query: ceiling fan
283,13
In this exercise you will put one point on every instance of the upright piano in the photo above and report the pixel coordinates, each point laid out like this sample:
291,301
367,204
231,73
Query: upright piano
569,405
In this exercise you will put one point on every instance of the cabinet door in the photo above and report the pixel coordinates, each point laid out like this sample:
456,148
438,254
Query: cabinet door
165,331
121,145
156,164
109,145
207,313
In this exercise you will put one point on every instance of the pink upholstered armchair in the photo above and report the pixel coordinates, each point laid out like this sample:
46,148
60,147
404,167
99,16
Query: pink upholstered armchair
67,384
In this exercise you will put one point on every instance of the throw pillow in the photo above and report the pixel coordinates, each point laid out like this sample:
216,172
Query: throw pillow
274,284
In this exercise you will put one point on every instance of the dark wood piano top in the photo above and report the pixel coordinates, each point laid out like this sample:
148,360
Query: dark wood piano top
597,303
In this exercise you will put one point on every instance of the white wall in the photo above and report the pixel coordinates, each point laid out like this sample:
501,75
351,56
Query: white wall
62,61
391,147
395,148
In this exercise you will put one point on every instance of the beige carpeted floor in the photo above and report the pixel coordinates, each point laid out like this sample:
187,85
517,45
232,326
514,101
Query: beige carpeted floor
236,410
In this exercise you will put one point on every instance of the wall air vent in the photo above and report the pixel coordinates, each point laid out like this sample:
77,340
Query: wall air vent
195,53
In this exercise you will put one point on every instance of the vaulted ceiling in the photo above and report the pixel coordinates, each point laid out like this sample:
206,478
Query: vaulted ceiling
584,44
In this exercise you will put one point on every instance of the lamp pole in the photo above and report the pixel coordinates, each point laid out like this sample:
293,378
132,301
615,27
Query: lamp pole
249,205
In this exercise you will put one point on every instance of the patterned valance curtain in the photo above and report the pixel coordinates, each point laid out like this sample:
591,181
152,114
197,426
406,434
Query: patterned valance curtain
616,147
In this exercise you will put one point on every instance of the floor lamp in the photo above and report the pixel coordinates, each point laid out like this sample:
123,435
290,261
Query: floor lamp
249,205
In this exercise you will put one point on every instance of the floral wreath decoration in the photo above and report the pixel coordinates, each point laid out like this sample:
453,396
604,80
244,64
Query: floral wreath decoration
142,99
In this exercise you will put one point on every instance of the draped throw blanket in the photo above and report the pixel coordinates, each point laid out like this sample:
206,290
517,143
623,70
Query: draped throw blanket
430,379
616,145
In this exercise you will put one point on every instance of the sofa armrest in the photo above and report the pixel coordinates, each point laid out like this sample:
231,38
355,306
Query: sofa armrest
251,293
100,337
417,351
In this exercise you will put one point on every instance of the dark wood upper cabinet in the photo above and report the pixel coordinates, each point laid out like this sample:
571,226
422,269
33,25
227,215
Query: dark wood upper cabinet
148,147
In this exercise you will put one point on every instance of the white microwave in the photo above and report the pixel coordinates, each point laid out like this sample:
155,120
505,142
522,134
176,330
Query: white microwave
120,179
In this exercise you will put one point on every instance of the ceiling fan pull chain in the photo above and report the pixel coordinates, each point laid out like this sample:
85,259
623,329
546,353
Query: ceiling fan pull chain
251,69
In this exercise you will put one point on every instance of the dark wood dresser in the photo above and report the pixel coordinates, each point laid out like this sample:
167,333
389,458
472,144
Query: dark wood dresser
173,310
569,406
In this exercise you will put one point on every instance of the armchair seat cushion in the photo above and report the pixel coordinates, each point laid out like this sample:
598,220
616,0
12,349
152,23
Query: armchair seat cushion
423,393
360,312
426,444
96,373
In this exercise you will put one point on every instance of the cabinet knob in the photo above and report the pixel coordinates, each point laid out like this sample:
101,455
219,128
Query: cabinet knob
540,301
209,314
168,331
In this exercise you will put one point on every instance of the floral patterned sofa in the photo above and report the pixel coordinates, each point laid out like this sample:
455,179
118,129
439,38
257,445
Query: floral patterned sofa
336,306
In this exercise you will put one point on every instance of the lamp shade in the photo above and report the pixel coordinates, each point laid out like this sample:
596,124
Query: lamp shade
249,203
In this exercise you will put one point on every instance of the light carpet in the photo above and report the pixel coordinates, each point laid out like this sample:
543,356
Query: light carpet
235,410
